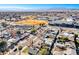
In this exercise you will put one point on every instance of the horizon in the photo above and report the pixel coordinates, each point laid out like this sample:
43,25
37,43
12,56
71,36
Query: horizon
26,7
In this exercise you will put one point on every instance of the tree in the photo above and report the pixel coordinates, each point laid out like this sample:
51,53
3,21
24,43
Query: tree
63,39
33,31
4,24
20,47
3,46
43,51
18,32
42,24
25,50
76,35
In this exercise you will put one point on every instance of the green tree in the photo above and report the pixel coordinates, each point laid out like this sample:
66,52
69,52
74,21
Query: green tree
20,47
4,24
76,35
43,51
18,32
33,30
3,46
63,39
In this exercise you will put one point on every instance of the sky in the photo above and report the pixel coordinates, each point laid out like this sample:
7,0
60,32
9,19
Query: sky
37,6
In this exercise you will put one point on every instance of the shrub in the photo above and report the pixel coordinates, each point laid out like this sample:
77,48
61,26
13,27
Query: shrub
64,39
43,51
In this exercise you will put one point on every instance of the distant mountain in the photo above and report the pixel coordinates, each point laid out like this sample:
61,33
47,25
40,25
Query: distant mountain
35,10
